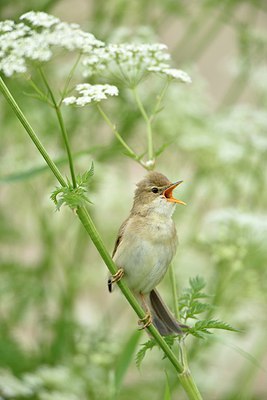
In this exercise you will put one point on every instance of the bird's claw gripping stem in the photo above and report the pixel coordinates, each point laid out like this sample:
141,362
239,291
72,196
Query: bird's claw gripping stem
115,278
146,321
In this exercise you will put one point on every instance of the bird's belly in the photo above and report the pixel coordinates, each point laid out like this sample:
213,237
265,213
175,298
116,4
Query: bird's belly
144,261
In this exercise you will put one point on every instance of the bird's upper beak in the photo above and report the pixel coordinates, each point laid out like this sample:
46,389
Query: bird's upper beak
168,193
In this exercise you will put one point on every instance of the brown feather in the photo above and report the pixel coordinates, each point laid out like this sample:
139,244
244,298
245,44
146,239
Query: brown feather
162,317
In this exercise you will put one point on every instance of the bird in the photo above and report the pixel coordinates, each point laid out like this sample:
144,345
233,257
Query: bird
145,246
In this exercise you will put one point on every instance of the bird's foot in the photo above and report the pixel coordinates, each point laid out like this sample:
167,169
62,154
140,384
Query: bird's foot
115,278
146,321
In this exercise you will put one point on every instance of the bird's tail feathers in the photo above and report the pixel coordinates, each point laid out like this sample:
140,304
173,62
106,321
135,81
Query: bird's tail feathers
163,320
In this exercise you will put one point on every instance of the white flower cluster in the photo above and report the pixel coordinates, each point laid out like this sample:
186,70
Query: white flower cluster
228,221
91,94
34,37
12,387
40,19
131,62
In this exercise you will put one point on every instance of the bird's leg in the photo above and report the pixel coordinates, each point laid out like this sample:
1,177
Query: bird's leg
115,278
147,320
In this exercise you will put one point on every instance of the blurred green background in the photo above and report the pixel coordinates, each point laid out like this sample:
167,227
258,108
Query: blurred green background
62,335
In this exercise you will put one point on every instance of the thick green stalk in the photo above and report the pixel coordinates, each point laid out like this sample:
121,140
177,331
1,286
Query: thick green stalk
189,385
185,377
31,132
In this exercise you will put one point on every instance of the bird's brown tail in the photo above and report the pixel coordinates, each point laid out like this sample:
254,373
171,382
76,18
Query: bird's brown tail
163,320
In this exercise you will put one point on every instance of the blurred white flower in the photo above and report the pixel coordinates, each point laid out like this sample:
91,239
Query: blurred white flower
12,387
57,395
53,376
40,18
22,42
6,26
228,222
172,73
91,94
131,62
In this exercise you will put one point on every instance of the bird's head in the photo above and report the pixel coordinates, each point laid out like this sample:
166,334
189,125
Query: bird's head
155,193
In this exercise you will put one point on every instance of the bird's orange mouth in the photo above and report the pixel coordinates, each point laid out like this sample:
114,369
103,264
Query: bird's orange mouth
168,193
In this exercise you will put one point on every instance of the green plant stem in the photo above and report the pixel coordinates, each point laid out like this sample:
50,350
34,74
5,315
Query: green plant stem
159,100
8,96
185,377
150,148
62,128
117,134
189,385
69,78
174,292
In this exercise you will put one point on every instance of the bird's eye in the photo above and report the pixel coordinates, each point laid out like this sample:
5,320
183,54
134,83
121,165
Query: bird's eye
154,190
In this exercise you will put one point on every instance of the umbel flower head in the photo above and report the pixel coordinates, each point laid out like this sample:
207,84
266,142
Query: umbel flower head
131,62
34,38
91,94
37,34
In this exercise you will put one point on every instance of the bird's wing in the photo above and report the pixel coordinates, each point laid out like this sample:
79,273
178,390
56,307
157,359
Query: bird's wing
119,238
120,234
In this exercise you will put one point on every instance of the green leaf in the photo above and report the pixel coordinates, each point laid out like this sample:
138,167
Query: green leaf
167,392
163,147
73,197
125,359
149,345
202,328
142,352
189,303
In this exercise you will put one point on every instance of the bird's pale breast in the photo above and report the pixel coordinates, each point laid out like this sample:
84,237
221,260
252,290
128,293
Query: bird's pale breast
146,251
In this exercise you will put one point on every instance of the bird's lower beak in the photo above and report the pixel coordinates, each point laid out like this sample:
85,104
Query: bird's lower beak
168,193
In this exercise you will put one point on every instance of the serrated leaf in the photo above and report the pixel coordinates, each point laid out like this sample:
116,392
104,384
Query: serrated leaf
189,303
197,283
214,324
70,196
83,180
142,352
202,328
198,308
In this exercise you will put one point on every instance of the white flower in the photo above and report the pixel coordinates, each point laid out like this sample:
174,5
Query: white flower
6,26
40,18
131,62
91,94
230,221
177,74
20,42
69,100
12,387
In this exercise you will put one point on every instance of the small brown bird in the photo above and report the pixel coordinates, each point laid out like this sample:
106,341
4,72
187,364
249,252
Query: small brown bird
146,244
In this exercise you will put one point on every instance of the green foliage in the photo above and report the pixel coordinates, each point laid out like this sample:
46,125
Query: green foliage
201,328
189,303
190,306
218,145
125,359
149,346
73,197
167,393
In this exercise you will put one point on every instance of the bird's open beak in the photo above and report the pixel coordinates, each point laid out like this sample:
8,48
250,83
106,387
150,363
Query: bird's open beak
168,193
